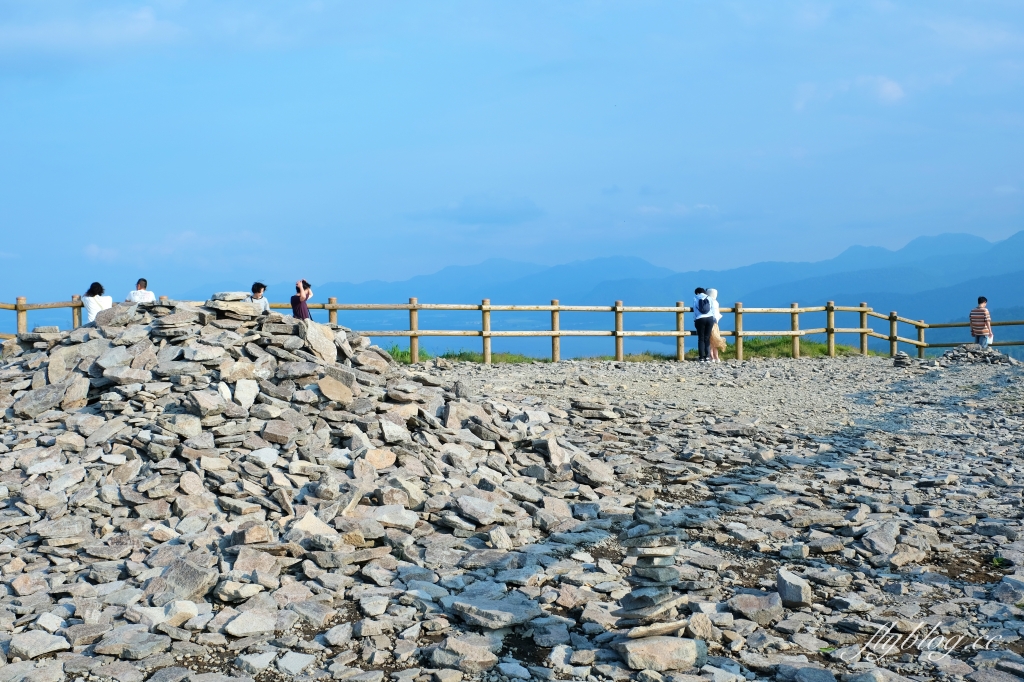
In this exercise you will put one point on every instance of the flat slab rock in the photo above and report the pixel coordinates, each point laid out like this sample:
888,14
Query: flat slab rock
495,614
35,643
662,654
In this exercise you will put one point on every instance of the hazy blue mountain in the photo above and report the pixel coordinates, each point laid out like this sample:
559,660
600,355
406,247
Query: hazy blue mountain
922,248
925,263
500,280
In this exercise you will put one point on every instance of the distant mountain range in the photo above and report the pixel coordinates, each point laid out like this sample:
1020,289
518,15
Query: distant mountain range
937,279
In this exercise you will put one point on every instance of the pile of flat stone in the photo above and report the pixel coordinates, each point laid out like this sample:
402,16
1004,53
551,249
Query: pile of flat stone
654,611
974,353
901,359
193,487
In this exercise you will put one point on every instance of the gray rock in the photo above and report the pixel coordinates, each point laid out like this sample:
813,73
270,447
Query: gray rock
255,663
662,654
479,510
34,403
393,433
882,540
293,663
34,643
185,580
593,472
339,635
793,590
252,624
814,675
319,339
495,614
763,608
514,671
143,645
468,652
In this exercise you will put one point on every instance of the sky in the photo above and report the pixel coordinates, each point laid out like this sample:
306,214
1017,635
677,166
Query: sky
340,141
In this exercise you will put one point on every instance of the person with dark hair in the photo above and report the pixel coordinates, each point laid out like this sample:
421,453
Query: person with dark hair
94,301
704,320
303,292
257,297
981,324
141,295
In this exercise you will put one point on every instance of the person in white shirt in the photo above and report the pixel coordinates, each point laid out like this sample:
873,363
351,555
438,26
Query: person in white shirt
717,343
257,297
94,301
141,295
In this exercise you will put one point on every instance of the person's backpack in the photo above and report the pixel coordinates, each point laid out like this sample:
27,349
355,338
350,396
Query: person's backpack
703,306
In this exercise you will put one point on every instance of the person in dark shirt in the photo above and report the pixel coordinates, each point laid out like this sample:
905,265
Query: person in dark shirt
303,292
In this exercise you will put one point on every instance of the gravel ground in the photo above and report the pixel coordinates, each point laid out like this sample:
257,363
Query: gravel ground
852,395
921,462
208,494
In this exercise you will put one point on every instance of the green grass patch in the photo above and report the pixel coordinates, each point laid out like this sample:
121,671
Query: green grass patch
753,347
402,355
496,358
780,347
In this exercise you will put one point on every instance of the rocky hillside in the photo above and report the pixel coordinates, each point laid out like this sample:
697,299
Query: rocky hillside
204,493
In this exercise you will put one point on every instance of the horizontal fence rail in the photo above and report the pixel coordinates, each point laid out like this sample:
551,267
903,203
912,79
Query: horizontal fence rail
485,308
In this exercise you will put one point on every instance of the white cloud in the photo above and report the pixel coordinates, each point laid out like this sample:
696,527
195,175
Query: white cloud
678,210
1006,190
189,242
813,15
805,93
94,252
882,88
887,89
485,209
103,30
972,35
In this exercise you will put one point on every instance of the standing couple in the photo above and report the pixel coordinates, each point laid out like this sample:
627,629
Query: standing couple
705,318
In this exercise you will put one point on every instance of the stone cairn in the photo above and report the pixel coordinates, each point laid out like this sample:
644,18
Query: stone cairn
974,353
653,608
188,487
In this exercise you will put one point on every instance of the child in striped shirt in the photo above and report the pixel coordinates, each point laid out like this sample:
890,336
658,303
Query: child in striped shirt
981,323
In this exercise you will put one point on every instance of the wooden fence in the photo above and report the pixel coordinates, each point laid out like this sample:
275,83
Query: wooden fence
620,333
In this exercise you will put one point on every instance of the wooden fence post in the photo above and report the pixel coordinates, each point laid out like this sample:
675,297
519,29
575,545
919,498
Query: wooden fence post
864,325
892,334
332,315
619,355
76,313
22,315
680,327
738,310
920,338
830,327
794,326
485,308
556,341
414,326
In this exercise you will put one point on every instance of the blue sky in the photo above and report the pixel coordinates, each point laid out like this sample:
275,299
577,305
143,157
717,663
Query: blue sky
194,142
